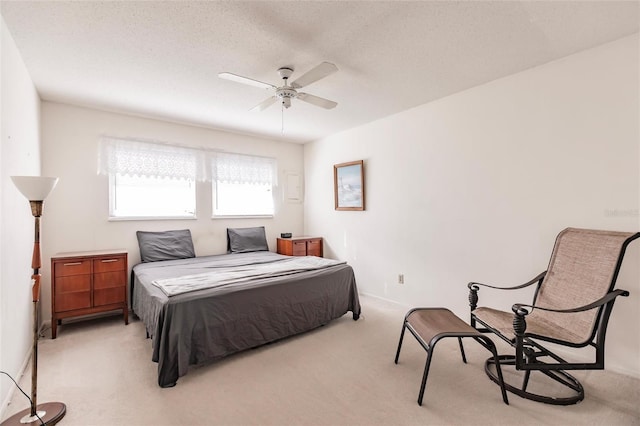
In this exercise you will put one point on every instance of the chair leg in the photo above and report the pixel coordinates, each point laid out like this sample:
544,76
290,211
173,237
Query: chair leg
531,359
464,358
494,352
525,380
404,326
423,385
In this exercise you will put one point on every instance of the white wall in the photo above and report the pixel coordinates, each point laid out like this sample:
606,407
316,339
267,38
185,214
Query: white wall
19,155
475,186
76,214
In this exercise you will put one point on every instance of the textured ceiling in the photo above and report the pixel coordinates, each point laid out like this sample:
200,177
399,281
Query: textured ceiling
161,59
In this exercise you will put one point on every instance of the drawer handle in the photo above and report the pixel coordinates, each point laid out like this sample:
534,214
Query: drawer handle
109,260
73,264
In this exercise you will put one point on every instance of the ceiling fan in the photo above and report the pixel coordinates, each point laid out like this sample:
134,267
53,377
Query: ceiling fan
287,91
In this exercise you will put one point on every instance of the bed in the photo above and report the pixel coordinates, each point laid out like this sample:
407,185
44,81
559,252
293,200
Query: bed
200,309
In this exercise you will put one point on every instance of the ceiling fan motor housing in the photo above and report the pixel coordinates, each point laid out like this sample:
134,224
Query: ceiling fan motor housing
286,94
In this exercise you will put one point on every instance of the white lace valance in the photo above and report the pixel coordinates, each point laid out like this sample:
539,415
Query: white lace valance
236,168
137,158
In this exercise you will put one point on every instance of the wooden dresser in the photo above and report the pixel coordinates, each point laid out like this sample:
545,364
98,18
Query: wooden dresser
84,283
300,246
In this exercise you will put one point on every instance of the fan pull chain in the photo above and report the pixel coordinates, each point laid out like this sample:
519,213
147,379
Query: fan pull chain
282,120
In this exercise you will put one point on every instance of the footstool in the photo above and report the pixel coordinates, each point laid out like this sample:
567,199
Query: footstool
429,325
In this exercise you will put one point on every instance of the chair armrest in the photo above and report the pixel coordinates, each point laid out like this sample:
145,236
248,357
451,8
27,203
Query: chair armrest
524,309
474,287
538,279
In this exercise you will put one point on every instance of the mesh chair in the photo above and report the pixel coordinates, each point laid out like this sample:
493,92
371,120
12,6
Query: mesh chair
571,307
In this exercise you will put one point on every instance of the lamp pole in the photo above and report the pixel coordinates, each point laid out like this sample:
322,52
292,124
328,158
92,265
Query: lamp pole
36,264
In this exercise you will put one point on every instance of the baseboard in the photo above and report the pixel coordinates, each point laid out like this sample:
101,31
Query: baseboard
383,299
577,356
624,371
5,404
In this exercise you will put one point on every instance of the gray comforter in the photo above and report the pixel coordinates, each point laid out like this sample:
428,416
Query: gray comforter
208,324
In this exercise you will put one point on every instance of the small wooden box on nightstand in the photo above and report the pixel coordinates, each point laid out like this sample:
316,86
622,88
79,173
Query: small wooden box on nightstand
84,283
300,246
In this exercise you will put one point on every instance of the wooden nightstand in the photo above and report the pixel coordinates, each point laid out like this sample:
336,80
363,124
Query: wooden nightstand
300,246
89,282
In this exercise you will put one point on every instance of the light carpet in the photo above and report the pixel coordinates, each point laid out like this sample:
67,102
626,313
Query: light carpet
339,374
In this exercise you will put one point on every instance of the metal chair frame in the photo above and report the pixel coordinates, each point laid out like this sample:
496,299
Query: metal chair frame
528,349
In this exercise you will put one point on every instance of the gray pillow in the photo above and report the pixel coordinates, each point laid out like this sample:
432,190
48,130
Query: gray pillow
165,245
245,240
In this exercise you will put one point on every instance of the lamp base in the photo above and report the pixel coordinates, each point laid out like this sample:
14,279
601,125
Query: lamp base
50,413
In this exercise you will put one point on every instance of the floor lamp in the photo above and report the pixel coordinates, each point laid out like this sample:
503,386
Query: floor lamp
36,189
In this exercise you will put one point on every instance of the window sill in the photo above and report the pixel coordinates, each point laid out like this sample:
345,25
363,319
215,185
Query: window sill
130,218
237,216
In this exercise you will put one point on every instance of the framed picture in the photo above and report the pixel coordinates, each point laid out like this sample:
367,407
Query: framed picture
348,185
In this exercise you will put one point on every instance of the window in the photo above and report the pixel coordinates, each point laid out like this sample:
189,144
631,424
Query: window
149,180
242,199
154,180
243,185
151,197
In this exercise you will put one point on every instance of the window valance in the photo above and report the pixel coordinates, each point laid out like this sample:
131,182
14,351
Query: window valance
237,168
137,158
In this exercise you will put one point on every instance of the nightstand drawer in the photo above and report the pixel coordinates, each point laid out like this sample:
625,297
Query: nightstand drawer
299,248
314,248
72,267
108,296
109,279
71,301
108,264
73,283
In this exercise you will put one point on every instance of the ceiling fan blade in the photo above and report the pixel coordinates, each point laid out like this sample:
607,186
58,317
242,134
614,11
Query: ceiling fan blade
316,100
245,80
315,74
264,104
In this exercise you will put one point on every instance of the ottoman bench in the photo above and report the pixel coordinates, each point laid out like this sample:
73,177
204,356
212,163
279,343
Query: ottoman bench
429,325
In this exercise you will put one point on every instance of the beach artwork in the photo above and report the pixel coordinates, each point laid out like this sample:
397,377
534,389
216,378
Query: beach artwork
349,185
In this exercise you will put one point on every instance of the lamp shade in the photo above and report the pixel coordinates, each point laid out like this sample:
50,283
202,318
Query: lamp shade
34,188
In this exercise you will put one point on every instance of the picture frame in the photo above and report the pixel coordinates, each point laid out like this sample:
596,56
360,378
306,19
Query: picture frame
348,185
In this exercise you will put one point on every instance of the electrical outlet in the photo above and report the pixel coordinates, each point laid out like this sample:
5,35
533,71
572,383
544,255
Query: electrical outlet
400,278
